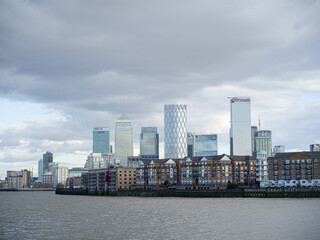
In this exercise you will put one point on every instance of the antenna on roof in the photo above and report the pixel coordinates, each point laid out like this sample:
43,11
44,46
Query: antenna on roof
259,123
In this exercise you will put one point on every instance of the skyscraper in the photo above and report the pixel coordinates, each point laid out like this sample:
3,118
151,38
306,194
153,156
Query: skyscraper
149,143
240,130
190,144
263,142
101,140
123,139
40,169
47,158
175,130
254,129
205,145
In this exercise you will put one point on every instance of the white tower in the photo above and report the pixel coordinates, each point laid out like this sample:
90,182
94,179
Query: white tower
123,139
240,131
175,131
262,169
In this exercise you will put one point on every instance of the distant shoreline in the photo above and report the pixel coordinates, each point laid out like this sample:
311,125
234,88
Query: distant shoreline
238,193
25,189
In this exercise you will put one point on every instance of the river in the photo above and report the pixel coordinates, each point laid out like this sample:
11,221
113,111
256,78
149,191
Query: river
45,215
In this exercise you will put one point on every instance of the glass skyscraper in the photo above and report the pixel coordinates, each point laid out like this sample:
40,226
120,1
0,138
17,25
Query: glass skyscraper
205,145
263,142
175,131
46,159
123,139
149,143
190,144
240,130
101,140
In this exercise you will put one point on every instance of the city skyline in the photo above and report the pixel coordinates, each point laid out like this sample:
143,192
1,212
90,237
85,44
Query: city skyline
61,76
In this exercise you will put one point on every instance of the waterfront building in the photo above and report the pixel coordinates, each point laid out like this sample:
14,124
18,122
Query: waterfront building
240,130
190,144
112,179
15,181
59,173
294,169
314,147
47,158
244,170
175,131
149,143
74,182
101,140
126,177
254,129
211,172
205,145
263,142
40,169
278,149
26,178
47,179
262,169
123,139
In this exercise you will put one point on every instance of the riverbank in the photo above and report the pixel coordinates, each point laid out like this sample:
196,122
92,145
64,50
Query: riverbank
25,189
238,193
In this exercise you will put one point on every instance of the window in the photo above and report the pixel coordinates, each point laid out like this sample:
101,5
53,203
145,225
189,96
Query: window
315,160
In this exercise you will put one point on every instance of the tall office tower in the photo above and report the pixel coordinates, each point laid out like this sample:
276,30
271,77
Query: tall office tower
254,129
123,140
263,142
47,158
149,143
314,147
101,140
190,144
278,149
240,131
40,169
175,131
205,145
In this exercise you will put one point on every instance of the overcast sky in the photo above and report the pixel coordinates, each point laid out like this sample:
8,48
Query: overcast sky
66,66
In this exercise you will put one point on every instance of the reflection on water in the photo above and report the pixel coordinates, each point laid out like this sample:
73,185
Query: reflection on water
44,215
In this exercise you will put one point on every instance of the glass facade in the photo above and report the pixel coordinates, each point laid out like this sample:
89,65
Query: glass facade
123,140
205,145
190,144
175,131
47,158
240,130
149,143
263,142
101,140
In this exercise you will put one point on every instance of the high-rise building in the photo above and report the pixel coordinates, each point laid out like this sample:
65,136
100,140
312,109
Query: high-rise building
190,144
254,129
101,140
240,131
40,169
205,145
314,147
278,149
263,142
149,143
123,139
47,158
175,130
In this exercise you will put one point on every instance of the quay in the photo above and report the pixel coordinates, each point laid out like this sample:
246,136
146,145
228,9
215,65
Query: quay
227,193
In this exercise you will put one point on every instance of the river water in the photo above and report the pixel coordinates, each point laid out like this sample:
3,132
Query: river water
45,215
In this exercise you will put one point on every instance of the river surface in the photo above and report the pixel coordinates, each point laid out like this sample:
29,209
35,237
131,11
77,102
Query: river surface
45,215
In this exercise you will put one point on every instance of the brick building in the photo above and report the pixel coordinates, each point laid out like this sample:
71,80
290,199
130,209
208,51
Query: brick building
294,169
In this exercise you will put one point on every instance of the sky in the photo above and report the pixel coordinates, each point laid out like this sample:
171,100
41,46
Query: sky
67,66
